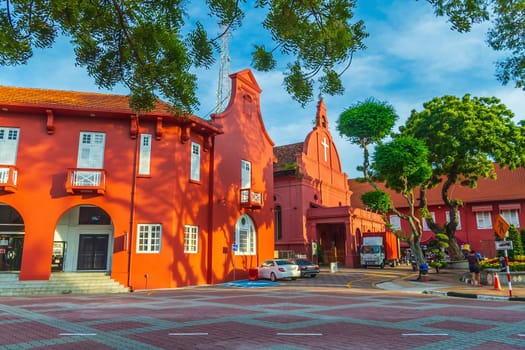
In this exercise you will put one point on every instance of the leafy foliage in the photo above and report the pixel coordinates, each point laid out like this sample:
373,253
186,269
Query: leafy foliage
436,247
464,137
507,32
151,46
365,123
517,246
522,234
377,200
402,163
517,265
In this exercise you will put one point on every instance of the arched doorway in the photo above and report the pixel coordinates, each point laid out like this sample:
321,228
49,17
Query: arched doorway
12,232
332,243
83,240
245,236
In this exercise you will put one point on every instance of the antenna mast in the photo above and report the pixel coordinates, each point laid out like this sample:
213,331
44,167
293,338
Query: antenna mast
224,87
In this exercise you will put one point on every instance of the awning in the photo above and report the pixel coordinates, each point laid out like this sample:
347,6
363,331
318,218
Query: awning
510,206
482,208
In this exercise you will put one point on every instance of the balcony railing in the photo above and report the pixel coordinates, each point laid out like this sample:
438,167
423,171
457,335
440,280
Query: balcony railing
86,181
251,199
8,178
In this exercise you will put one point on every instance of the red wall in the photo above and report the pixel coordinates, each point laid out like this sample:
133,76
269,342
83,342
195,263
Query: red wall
481,240
245,138
165,197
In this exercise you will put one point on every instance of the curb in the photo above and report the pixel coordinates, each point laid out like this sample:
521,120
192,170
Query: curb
473,296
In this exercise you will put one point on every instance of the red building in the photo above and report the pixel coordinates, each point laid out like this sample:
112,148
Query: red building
155,200
481,206
312,201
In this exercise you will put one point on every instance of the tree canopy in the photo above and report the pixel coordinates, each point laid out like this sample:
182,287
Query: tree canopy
507,31
452,141
464,136
365,123
151,46
402,165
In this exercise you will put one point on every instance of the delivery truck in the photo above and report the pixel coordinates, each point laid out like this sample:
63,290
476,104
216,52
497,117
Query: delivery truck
379,249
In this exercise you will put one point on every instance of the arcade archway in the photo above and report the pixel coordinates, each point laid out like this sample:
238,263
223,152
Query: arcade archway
83,240
12,231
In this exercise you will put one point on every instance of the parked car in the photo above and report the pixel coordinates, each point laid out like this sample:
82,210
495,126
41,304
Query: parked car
307,267
276,269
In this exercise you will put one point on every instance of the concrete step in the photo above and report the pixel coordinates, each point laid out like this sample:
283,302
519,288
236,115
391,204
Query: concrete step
60,283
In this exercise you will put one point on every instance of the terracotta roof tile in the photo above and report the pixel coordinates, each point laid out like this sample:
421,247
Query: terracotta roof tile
286,154
28,97
509,185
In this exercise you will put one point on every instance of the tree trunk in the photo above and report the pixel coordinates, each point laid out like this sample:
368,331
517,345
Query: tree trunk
454,250
417,251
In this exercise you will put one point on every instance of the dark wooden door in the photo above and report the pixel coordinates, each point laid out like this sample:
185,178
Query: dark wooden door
92,252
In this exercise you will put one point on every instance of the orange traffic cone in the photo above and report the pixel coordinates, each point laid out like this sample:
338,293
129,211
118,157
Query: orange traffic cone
497,286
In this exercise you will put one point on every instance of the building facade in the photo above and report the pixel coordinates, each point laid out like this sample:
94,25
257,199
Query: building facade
503,196
154,200
313,214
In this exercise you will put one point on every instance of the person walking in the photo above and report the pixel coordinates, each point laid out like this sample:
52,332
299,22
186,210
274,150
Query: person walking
473,266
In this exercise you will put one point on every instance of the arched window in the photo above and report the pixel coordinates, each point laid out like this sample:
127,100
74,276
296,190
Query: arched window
245,237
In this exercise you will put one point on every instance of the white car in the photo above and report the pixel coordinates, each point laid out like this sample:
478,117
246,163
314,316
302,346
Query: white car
276,269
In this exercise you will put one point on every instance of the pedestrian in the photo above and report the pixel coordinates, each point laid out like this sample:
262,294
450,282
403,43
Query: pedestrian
502,264
473,266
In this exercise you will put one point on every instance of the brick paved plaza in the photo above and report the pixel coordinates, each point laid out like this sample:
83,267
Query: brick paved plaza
286,316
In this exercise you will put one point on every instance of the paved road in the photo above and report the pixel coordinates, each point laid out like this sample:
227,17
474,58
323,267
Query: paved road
320,313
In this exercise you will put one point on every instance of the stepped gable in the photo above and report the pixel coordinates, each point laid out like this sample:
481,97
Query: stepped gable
320,151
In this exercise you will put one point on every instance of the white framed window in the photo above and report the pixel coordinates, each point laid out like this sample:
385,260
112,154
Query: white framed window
195,172
395,221
145,154
9,145
447,218
424,221
246,174
191,239
483,219
148,238
511,216
91,150
245,236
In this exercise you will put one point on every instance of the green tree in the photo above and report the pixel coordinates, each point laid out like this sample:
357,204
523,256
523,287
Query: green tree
402,165
505,34
522,235
151,46
436,247
517,245
464,136
366,123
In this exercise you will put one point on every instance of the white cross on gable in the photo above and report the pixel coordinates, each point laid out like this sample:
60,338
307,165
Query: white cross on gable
325,146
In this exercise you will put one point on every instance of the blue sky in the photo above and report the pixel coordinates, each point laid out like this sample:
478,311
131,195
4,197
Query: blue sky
411,57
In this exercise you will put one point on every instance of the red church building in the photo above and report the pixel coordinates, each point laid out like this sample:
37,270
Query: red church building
154,200
313,212
503,196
